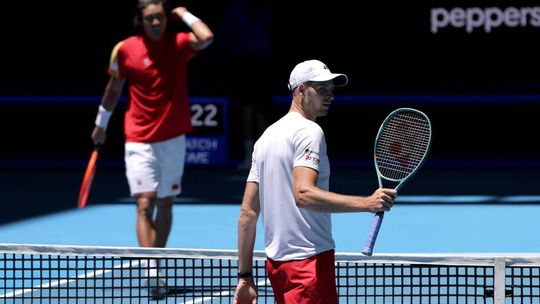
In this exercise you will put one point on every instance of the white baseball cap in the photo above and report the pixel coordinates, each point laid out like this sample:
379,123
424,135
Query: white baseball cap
314,70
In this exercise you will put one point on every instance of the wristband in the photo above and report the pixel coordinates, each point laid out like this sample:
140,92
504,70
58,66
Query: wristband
102,118
245,275
189,19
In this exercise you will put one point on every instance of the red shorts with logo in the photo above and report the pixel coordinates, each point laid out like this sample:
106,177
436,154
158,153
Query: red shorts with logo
308,281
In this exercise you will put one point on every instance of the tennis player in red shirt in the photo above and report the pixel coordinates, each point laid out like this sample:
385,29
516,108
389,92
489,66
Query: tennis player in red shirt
154,65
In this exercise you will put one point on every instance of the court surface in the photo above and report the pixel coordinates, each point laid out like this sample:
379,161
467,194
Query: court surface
439,212
408,228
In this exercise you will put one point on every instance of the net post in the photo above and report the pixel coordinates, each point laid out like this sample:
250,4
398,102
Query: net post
500,281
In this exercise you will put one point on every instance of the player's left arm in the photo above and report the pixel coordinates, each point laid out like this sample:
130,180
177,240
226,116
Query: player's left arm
201,35
308,195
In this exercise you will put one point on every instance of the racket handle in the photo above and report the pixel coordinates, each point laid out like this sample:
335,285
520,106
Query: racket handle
372,237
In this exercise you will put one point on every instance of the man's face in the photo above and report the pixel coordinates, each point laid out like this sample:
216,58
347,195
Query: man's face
154,21
319,97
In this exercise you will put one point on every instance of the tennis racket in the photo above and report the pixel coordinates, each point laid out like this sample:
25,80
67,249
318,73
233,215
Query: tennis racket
88,178
401,147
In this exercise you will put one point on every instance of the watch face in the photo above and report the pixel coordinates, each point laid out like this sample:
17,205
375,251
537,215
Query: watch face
245,274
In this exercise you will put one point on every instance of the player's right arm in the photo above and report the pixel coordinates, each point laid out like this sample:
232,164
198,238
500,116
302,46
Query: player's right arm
111,96
246,292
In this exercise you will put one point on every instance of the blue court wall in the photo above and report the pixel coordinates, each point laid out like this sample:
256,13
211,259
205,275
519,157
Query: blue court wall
469,131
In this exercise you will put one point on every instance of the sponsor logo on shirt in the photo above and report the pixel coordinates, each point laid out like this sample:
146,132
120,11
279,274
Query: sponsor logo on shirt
312,156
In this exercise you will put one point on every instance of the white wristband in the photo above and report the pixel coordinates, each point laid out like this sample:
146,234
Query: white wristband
189,19
102,118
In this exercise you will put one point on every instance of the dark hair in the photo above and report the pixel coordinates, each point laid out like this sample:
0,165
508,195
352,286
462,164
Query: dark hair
141,4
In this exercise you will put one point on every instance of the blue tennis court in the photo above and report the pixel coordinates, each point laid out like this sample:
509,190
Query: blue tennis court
406,229
428,225
439,211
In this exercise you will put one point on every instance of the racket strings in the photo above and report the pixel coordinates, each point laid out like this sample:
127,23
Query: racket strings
402,144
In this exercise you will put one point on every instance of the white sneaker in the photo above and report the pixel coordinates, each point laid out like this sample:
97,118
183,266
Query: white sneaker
154,279
157,288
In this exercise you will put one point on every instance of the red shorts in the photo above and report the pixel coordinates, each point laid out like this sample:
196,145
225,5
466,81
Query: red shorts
308,281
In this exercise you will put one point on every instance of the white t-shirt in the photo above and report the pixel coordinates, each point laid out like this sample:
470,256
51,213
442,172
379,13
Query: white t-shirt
291,233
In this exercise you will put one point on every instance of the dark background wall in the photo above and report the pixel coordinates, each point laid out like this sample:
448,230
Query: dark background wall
480,89
386,47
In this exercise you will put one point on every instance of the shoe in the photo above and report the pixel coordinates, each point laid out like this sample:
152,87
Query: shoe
154,280
157,288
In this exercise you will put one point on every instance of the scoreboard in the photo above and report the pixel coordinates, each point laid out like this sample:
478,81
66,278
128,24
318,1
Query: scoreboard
207,145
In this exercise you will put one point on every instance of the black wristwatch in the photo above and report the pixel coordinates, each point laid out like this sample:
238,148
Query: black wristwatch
245,275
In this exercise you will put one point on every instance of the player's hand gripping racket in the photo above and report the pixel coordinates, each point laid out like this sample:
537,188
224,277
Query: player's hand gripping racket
88,178
401,147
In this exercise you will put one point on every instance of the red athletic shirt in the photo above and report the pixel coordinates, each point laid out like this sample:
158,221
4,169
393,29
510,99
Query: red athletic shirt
156,72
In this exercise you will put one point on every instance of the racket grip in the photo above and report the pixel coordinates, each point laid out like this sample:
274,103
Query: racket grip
372,237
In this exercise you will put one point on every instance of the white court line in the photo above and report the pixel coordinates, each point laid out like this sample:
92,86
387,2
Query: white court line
67,281
130,264
430,199
457,199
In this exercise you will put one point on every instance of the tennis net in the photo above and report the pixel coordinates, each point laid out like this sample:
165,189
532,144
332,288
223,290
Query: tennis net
92,274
